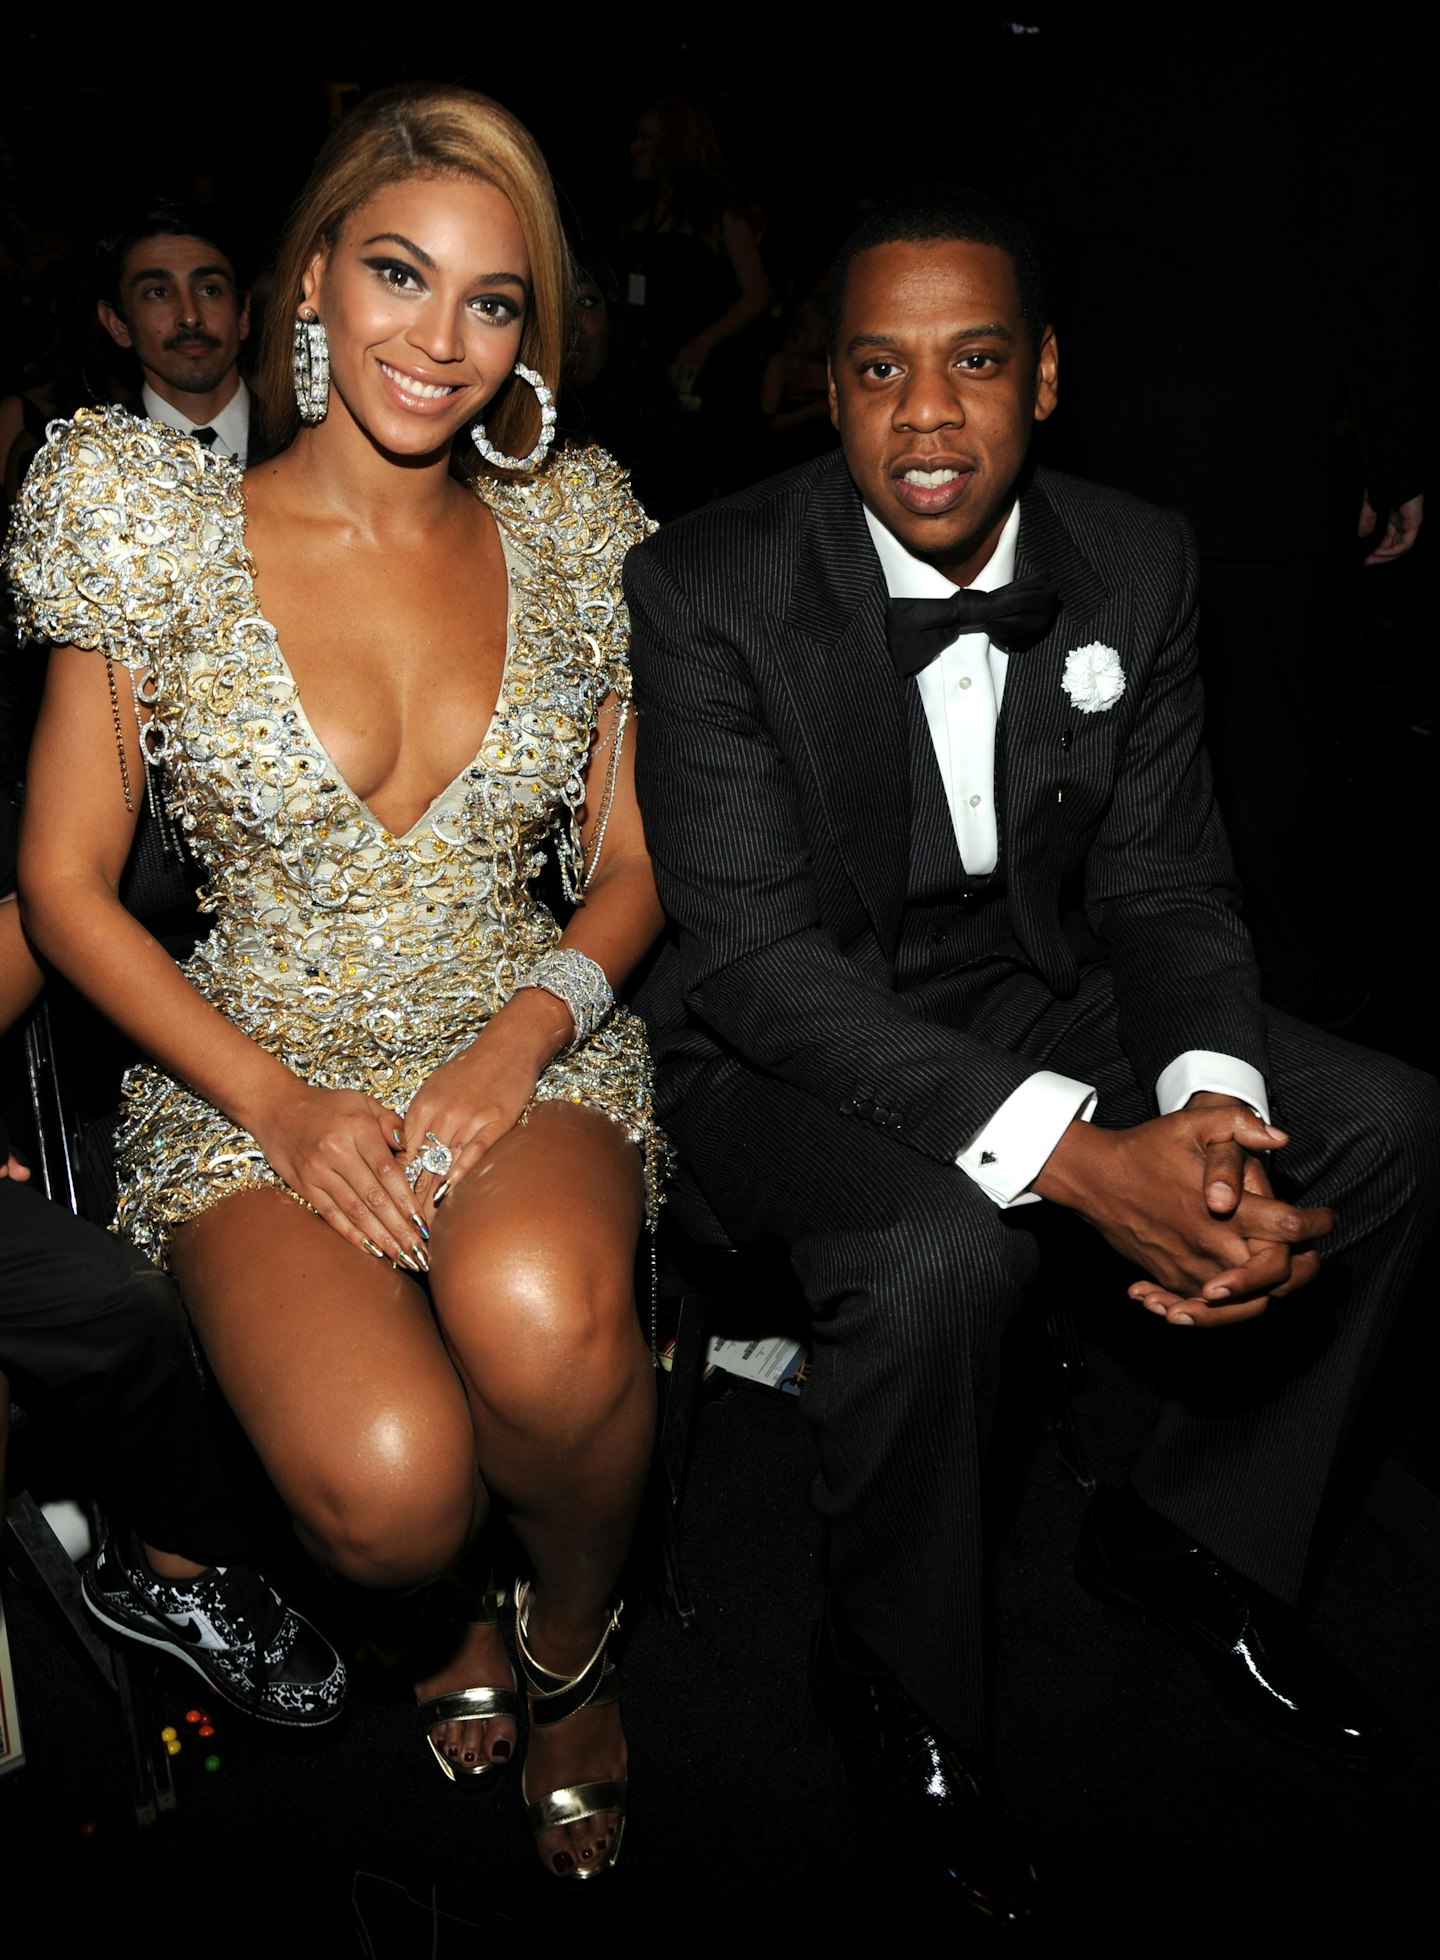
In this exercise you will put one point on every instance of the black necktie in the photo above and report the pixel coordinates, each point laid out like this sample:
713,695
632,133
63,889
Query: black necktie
1014,617
204,437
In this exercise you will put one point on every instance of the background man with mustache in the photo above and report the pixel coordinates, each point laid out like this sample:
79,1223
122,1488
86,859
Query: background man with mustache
168,292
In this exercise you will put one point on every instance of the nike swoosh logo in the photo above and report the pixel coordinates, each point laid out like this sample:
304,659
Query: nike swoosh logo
196,1631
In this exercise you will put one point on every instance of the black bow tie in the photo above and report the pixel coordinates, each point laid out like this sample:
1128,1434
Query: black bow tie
919,630
204,436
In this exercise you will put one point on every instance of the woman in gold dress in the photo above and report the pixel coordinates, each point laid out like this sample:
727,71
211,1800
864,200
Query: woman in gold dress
372,689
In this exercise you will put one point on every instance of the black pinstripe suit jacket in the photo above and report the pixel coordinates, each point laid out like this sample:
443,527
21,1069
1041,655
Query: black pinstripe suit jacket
775,787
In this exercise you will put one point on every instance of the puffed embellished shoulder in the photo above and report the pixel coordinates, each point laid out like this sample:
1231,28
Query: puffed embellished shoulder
579,517
117,517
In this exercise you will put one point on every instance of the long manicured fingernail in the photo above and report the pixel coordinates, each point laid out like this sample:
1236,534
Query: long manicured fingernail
399,1140
1181,1320
370,1246
417,1252
420,1226
441,1192
404,1259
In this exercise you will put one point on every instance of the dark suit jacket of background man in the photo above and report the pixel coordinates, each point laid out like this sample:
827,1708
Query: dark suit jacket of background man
839,1009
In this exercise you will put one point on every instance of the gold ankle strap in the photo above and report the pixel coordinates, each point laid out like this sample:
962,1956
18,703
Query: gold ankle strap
556,1697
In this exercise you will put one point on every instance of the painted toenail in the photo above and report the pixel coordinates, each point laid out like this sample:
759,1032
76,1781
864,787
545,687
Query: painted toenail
562,1862
500,1750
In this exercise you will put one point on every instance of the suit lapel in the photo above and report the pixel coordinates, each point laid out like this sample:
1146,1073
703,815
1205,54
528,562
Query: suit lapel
848,699
850,704
1035,698
1042,733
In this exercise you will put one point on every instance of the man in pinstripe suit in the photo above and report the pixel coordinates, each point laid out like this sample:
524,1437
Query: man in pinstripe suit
947,882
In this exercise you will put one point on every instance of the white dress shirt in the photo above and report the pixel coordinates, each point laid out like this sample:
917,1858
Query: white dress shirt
231,425
961,693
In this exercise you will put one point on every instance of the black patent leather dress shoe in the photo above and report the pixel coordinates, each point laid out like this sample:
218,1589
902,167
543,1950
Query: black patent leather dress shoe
1260,1658
939,1821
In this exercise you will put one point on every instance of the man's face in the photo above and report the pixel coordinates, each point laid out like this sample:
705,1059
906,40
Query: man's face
934,387
182,314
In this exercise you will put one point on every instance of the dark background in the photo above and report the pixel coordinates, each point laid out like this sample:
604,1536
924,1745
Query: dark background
1152,1816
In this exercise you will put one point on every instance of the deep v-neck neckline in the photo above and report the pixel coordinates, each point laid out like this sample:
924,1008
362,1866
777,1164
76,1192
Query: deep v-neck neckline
255,613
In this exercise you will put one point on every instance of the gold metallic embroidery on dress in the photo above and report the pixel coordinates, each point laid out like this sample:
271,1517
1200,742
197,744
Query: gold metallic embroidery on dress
362,959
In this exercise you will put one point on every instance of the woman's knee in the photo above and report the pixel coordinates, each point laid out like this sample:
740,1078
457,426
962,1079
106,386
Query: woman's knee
397,1502
546,1337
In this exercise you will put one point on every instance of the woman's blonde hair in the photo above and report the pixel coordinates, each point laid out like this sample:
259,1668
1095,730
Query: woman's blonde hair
427,130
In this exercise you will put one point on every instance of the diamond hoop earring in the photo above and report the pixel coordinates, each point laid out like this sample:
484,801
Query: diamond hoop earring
312,369
547,428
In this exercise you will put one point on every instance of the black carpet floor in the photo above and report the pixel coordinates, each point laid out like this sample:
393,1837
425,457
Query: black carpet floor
1147,1806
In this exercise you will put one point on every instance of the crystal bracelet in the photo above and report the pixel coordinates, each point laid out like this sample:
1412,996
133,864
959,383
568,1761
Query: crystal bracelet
577,980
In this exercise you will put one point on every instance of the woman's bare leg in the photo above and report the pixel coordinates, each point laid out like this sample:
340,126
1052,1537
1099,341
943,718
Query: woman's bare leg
532,1275
336,1372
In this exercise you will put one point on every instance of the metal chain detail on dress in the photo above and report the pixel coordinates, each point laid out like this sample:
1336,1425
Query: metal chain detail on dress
361,959
572,976
119,734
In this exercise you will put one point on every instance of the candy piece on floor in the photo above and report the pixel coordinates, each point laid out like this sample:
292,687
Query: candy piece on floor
212,1762
194,1715
206,1728
174,1748
168,1734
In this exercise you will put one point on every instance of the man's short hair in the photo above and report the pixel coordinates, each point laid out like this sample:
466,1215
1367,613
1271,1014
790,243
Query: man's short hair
163,217
932,213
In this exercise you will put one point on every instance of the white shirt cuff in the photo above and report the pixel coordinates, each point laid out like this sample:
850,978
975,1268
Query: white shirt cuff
1223,1075
1007,1153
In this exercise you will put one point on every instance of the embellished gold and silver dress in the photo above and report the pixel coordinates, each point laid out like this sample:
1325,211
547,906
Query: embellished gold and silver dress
362,959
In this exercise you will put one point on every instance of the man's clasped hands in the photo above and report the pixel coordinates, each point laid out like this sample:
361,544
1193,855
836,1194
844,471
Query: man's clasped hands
1188,1198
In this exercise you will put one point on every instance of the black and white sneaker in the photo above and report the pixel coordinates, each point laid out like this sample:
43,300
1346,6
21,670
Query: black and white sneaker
230,1625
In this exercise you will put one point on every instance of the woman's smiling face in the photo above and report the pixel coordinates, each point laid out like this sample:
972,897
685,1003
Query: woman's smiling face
423,299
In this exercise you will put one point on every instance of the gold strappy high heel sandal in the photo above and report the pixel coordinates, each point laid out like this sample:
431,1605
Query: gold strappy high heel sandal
470,1704
552,1699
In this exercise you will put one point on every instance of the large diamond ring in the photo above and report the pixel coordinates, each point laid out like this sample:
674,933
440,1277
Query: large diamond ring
433,1156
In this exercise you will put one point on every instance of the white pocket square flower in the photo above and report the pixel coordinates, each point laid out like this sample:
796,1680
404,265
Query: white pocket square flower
1094,678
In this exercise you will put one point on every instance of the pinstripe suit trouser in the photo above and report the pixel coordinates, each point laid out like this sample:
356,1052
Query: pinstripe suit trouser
912,1274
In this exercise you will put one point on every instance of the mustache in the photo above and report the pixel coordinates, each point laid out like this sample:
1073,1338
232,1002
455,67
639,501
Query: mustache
189,337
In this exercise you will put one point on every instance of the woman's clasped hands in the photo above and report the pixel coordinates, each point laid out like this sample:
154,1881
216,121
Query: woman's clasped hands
347,1154
339,1150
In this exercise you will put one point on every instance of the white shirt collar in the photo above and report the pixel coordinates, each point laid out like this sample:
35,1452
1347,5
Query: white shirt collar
908,577
231,425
